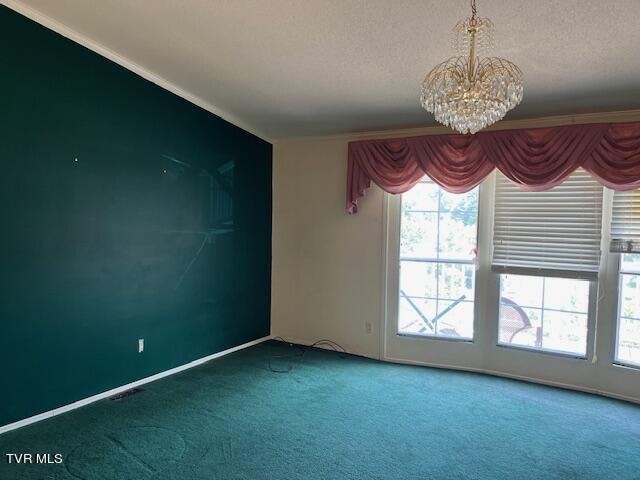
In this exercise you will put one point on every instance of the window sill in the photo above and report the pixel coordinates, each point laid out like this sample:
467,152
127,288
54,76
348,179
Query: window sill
436,337
553,353
626,366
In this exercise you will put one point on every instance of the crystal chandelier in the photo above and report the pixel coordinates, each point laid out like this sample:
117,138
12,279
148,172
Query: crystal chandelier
467,92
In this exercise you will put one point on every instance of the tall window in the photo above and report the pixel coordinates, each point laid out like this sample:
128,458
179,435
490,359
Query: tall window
628,341
625,239
547,252
437,270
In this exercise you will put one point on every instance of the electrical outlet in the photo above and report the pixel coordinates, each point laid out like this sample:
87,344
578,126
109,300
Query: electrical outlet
140,345
367,327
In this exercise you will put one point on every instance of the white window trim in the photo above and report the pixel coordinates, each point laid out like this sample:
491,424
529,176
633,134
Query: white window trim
487,293
397,205
444,349
491,294
614,350
609,297
591,322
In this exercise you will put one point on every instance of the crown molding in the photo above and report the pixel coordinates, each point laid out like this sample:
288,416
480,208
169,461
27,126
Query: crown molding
100,49
535,122
538,122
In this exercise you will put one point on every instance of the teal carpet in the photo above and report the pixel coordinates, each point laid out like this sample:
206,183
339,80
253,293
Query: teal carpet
334,417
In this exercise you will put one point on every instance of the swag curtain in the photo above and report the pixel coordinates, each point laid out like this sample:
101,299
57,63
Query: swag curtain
535,159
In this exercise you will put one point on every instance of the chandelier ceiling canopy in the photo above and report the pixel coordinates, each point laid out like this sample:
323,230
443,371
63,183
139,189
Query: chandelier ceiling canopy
468,92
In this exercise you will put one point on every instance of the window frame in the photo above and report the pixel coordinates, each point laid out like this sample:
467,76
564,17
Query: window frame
616,361
594,286
592,304
609,281
487,281
398,258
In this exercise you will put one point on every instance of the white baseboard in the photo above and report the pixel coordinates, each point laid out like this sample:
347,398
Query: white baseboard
115,391
308,343
496,373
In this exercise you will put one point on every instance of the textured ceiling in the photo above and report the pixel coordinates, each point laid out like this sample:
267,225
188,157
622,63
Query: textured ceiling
291,68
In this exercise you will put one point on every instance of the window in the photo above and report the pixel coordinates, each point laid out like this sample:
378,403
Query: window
547,253
540,253
438,234
625,239
545,313
628,339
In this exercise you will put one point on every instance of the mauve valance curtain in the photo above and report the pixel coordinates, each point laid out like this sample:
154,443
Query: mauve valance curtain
536,159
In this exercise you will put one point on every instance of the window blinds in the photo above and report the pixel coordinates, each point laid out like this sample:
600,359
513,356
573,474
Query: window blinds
625,222
556,232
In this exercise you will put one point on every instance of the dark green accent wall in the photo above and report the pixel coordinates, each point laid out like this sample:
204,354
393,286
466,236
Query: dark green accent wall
127,213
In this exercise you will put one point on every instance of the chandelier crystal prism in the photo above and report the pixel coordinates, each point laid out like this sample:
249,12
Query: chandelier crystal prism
467,92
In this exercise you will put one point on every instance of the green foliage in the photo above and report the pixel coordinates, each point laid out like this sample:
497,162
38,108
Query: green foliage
466,210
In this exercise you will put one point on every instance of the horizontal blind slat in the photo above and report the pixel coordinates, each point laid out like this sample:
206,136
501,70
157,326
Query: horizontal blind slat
625,222
557,229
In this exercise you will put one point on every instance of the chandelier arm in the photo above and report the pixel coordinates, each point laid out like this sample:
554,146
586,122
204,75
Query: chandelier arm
469,92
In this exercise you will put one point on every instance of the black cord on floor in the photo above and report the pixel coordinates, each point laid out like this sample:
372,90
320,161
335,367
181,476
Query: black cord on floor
301,350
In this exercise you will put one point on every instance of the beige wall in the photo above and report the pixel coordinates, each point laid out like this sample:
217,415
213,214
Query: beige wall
327,265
